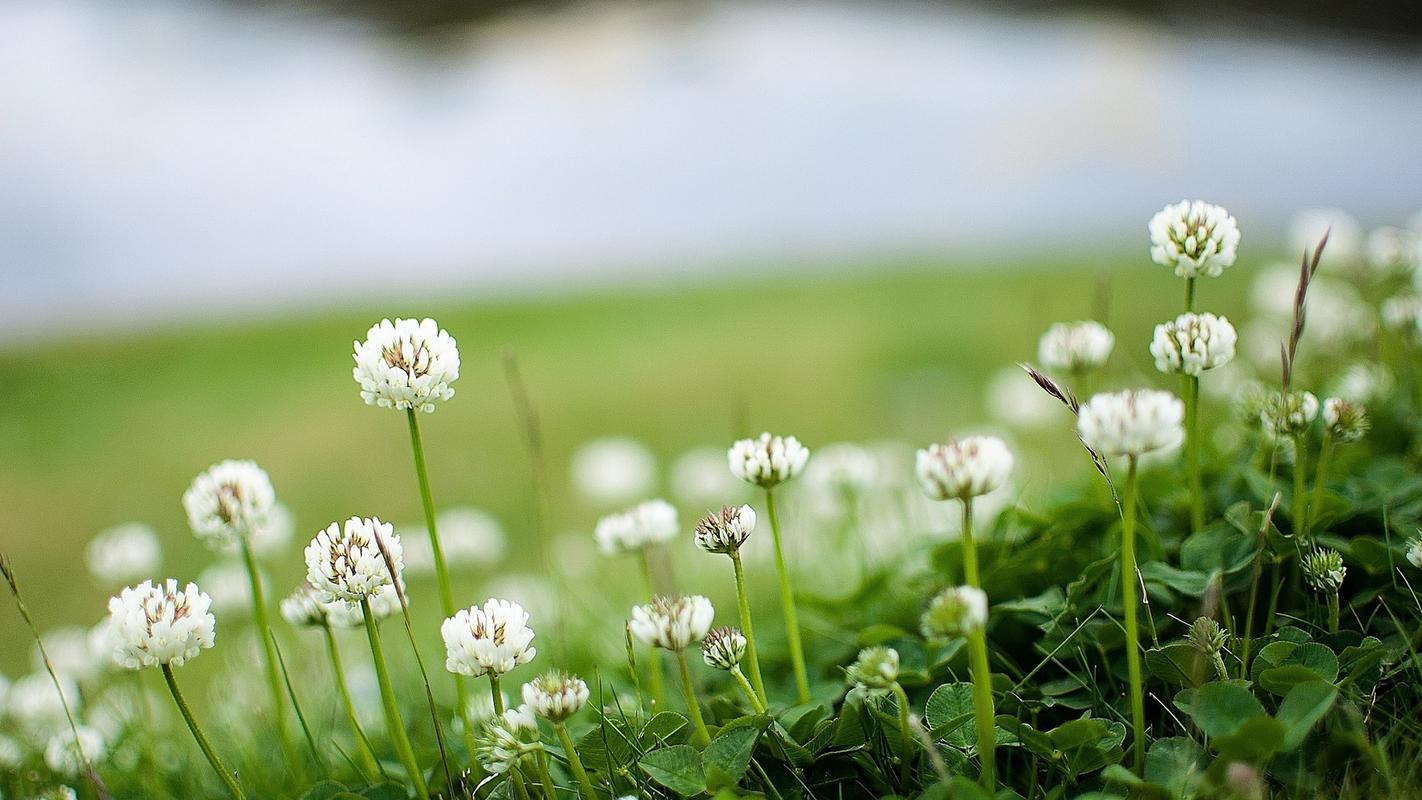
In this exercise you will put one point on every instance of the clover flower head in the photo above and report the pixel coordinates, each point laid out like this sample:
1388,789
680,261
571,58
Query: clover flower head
124,553
1323,570
160,624
767,461
58,793
1076,347
1194,238
1363,381
613,471
1402,313
76,651
726,530
1207,636
644,524
406,364
304,607
1345,420
37,706
672,623
723,648
1288,414
555,695
344,562
876,669
955,611
1192,343
62,752
228,501
1394,250
384,603
1414,550
1132,422
963,468
487,640
12,755
505,739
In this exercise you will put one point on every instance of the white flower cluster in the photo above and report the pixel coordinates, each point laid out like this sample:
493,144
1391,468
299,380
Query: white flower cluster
125,552
37,706
876,669
1288,413
345,563
652,522
726,530
406,364
963,468
505,739
487,640
1193,343
955,611
613,471
723,648
767,461
63,755
158,625
1194,238
1075,347
1345,420
468,537
1132,422
672,623
304,607
1323,570
1414,550
228,501
555,695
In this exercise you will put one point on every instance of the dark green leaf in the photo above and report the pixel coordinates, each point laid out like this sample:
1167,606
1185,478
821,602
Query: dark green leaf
1305,705
1220,709
677,767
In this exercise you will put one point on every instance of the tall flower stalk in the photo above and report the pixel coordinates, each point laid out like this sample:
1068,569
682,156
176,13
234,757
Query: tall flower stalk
1344,422
724,532
962,611
674,623
876,672
1129,601
393,723
767,462
228,779
636,531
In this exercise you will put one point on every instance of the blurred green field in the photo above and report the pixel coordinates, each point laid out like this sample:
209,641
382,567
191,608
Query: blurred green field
105,430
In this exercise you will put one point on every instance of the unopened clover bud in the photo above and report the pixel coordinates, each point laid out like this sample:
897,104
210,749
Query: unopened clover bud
1345,420
876,669
956,611
1324,571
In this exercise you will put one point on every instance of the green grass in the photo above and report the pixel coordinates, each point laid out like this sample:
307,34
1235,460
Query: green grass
104,430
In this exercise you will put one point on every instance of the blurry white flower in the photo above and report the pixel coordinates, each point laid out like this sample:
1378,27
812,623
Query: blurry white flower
955,611
1016,400
384,603
155,625
228,501
1336,312
270,536
614,470
672,623
1131,423
841,468
1288,414
699,479
480,707
304,607
1323,570
1363,381
62,754
1345,420
468,537
505,739
406,364
726,530
345,563
1194,239
228,585
492,639
652,522
11,753
723,648
1394,250
1192,343
124,553
37,706
71,651
121,708
1345,235
876,669
767,461
963,468
537,594
555,695
1075,347
58,793
1414,551
1403,313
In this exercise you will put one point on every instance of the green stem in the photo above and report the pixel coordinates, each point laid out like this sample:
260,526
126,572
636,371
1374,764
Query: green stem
1192,452
1300,495
1333,612
545,778
367,752
585,787
744,603
984,716
1320,478
1189,294
701,736
755,701
392,712
497,694
1128,598
902,697
264,629
202,742
787,605
656,679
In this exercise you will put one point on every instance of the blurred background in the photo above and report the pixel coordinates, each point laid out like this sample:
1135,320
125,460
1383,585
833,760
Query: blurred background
688,221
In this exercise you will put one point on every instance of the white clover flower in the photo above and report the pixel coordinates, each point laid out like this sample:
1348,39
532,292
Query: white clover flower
726,530
1193,343
555,695
1131,423
346,563
955,611
1288,414
304,607
1394,250
613,471
71,652
963,468
1324,571
1402,313
699,479
1345,235
124,553
876,669
12,755
406,364
1345,420
58,793
468,538
842,468
384,603
1014,399
160,625
1194,238
62,754
1336,312
37,706
1363,381
271,536
488,640
652,522
723,648
672,623
1076,347
767,461
505,739
1414,550
228,586
228,501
